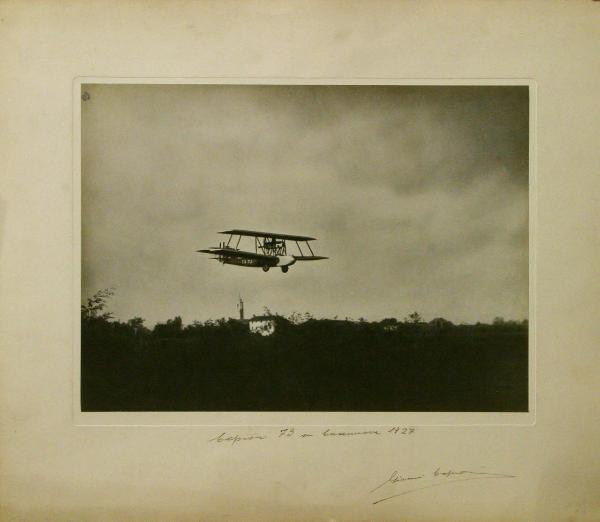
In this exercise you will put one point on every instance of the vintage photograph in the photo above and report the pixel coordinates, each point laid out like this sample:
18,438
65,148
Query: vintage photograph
307,248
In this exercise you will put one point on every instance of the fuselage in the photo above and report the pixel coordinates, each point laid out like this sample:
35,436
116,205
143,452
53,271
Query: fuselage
244,261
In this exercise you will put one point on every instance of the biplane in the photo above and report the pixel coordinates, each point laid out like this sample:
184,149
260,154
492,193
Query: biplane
270,250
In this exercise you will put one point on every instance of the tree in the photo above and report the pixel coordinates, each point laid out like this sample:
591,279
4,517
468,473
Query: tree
440,322
295,318
171,328
136,322
96,304
137,325
415,318
176,323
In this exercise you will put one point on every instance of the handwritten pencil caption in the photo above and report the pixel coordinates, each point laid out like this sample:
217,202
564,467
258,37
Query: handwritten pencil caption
293,433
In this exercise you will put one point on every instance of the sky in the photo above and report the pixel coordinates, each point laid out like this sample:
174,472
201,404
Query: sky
417,194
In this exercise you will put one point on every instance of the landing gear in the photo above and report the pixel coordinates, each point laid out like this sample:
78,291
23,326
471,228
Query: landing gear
265,268
284,269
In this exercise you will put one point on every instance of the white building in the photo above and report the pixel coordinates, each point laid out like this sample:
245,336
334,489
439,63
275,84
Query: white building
263,324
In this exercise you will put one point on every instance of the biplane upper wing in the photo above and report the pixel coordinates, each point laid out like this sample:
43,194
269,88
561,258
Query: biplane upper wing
254,233
230,252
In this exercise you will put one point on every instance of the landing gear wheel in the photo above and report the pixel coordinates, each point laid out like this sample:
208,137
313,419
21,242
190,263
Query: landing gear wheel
284,269
265,268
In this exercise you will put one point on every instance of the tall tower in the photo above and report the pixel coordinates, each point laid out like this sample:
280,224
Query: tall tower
241,308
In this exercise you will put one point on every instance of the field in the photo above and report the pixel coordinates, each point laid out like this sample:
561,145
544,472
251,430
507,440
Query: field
319,365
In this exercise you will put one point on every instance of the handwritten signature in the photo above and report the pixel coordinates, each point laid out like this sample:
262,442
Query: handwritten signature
434,479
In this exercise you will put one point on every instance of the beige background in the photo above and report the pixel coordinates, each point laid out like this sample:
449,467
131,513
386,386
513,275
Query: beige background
54,470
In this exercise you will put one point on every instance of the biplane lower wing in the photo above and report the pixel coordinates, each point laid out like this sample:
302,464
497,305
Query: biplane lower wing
309,258
229,252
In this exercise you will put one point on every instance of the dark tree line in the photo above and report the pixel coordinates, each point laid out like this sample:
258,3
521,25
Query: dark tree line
308,364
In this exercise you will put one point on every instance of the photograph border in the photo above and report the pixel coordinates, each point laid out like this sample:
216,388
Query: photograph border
307,419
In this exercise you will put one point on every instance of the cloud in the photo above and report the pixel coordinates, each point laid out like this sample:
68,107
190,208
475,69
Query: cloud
418,195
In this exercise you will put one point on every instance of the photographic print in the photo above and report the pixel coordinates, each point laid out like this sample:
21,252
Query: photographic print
271,247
